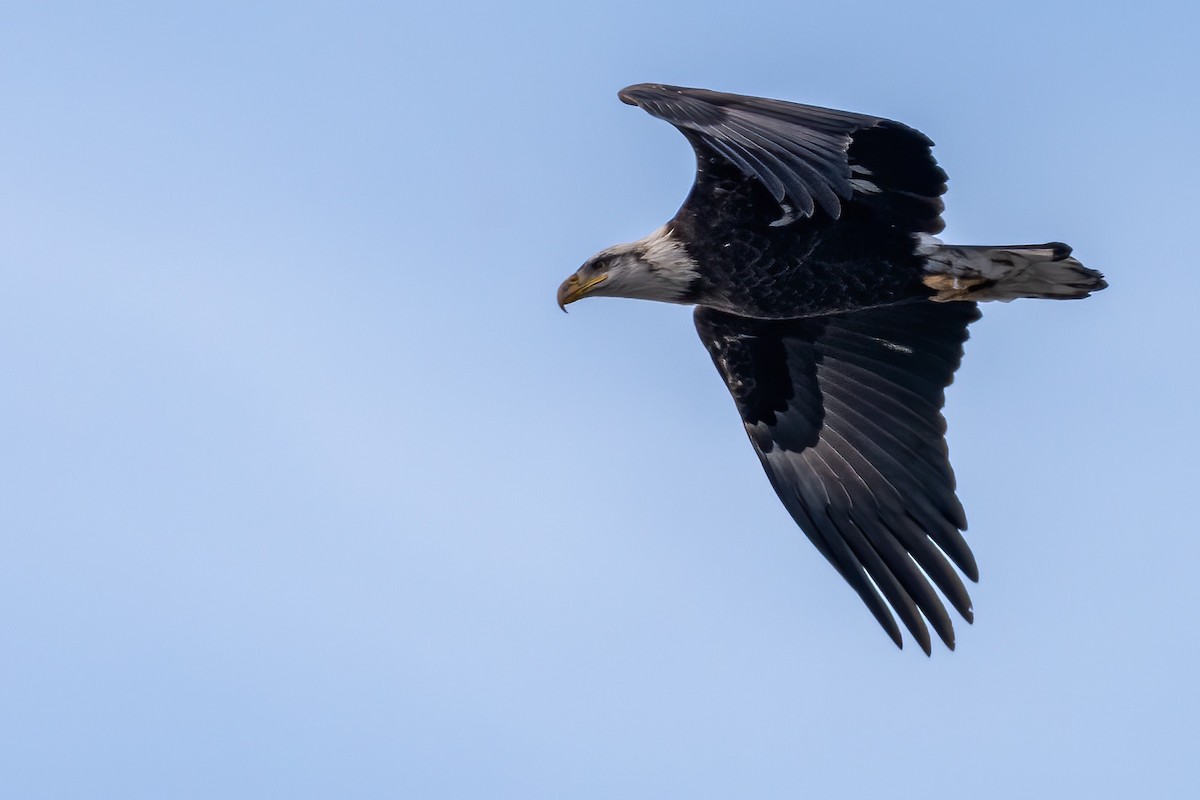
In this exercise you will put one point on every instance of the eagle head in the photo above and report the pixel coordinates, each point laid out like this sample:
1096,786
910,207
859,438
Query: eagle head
656,267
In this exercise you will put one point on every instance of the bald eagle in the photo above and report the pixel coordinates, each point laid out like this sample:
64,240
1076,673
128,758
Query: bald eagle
836,319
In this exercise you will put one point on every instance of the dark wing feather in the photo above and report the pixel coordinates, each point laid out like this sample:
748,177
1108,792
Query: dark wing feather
844,411
807,156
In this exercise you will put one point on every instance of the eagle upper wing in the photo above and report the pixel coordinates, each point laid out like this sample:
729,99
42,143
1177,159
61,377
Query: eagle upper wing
844,411
807,156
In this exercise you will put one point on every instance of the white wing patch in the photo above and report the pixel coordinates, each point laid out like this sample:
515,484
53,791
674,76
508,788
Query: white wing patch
790,215
864,186
890,345
926,244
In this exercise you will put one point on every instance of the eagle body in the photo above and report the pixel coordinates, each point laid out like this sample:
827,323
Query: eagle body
751,265
836,319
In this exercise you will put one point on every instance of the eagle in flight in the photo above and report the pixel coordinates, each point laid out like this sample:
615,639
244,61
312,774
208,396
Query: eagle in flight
837,319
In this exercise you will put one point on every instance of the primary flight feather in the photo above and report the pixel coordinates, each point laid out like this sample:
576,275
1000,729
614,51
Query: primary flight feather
836,319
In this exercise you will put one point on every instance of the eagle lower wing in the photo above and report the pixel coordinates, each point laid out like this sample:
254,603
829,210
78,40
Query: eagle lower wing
844,411
807,157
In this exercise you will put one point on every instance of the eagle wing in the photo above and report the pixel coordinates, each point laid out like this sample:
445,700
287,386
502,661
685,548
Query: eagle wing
844,411
807,157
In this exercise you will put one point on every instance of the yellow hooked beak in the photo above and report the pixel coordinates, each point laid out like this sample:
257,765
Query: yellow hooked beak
574,288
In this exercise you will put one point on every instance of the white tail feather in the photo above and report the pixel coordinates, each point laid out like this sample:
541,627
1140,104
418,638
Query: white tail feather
969,272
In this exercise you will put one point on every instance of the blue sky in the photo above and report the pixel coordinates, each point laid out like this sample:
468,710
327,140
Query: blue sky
310,490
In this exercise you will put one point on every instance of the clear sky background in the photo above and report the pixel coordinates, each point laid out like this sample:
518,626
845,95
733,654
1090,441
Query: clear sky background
308,489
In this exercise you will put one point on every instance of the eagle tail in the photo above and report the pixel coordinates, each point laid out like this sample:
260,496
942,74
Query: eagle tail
972,272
